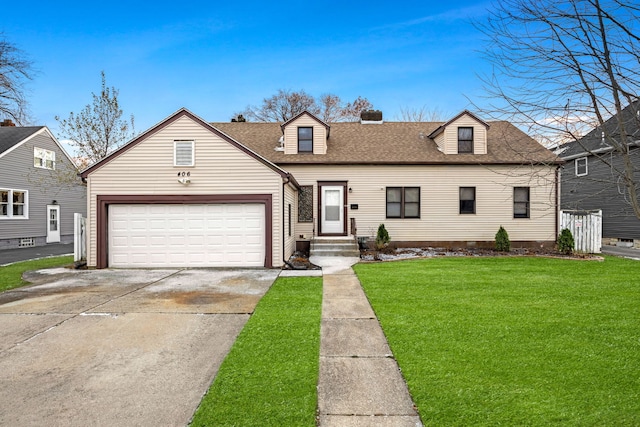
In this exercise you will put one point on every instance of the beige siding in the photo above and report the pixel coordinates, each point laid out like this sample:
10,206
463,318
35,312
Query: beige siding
479,135
290,198
440,219
291,135
439,140
220,168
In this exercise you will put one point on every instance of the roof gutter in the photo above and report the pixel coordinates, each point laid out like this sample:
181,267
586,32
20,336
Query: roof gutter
598,151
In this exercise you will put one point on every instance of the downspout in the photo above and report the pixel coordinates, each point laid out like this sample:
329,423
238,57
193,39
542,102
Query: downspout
558,173
285,211
284,183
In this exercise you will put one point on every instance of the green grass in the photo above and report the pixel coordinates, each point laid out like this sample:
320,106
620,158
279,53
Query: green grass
269,377
514,341
11,275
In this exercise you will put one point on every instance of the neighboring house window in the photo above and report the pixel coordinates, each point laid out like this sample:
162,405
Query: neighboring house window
45,159
465,140
581,166
521,202
13,203
467,200
183,153
403,202
305,204
305,140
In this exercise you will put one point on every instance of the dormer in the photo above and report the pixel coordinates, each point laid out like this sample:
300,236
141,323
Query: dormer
305,134
464,134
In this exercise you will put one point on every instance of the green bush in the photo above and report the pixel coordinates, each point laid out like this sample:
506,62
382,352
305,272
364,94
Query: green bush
382,238
503,244
565,241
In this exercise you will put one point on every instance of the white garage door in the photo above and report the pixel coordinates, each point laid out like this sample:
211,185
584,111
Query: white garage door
214,235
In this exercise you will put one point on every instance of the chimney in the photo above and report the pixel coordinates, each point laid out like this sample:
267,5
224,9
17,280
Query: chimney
370,116
7,122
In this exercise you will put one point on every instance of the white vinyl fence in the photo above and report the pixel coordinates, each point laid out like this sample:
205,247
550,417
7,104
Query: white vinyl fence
79,237
586,227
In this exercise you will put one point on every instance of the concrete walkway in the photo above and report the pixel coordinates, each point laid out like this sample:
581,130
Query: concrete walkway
360,383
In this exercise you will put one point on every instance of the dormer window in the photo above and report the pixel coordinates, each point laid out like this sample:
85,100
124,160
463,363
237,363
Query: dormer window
305,140
465,140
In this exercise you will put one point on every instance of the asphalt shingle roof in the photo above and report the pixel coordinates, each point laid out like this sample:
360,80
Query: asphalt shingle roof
391,143
593,142
12,135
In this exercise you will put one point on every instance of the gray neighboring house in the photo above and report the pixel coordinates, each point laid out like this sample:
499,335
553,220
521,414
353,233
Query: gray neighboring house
590,181
39,188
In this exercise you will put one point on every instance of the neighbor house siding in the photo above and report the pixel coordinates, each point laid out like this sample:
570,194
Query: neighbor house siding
220,169
291,135
44,186
599,189
479,135
440,219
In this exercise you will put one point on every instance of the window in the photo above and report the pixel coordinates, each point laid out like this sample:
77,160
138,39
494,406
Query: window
13,204
183,153
465,140
44,158
467,200
403,202
521,202
581,166
289,219
305,203
305,140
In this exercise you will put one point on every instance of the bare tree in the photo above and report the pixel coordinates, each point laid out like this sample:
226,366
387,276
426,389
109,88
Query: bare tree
99,128
562,66
333,109
15,69
287,104
422,114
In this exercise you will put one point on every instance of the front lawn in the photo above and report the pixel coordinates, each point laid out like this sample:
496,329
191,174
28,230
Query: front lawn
11,275
270,376
514,341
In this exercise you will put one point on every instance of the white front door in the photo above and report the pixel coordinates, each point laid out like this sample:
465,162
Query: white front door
332,210
53,223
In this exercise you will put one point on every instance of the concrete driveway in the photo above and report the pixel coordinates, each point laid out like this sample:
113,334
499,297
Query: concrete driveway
119,347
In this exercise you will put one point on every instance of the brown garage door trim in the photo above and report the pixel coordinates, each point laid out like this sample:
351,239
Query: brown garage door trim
104,201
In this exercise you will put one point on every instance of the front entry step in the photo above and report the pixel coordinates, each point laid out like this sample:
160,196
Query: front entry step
335,246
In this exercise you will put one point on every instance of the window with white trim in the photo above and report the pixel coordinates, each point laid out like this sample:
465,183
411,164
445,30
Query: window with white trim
183,153
581,166
45,159
14,203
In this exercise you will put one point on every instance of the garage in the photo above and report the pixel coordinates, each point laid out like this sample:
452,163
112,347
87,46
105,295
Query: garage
186,235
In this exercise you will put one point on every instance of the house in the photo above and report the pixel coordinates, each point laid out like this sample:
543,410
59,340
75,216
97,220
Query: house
191,193
591,178
39,188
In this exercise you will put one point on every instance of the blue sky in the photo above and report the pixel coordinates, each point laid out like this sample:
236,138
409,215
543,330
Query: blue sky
215,58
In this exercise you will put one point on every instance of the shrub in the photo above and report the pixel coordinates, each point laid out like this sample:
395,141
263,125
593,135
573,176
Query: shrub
503,244
382,238
565,241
